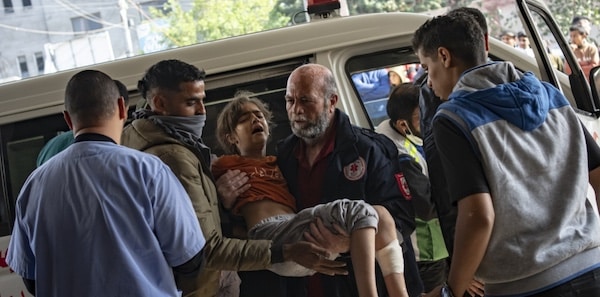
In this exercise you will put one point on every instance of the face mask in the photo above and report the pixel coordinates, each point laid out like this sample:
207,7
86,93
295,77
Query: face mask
416,140
192,124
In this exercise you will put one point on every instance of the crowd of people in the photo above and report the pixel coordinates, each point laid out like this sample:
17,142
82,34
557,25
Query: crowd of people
461,191
585,49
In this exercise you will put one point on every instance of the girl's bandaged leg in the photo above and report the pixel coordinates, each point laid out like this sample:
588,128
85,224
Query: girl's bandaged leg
390,258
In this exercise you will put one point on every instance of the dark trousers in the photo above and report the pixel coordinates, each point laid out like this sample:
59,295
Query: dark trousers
414,284
433,273
586,285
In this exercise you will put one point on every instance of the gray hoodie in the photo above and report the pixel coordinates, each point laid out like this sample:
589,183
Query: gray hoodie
533,152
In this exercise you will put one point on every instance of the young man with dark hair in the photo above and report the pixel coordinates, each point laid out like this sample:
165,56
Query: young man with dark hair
100,219
585,51
518,162
523,43
428,104
172,129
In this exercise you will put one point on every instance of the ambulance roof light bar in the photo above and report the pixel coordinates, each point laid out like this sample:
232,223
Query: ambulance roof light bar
322,8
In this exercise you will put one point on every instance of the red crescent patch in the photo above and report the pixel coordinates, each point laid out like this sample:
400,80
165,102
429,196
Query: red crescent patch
355,170
403,185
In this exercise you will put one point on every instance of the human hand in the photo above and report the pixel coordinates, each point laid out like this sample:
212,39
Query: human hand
323,237
230,185
313,257
476,288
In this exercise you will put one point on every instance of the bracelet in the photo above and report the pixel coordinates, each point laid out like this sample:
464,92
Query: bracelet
446,291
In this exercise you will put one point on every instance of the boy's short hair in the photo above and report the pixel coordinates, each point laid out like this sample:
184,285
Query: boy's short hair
403,100
475,13
579,29
507,33
459,33
168,75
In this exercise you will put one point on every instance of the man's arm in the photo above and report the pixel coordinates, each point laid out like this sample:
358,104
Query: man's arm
176,227
19,256
473,231
313,257
468,187
191,267
222,253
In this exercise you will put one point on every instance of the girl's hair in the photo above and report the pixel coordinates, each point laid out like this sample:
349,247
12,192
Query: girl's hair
230,115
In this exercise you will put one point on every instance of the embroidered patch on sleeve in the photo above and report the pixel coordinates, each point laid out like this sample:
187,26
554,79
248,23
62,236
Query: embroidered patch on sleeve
403,185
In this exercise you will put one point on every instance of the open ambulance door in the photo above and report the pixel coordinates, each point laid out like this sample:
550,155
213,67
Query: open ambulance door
547,41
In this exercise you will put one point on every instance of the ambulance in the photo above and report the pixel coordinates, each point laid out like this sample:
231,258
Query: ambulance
354,47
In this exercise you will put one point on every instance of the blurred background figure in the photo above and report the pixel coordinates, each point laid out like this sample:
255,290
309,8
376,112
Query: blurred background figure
556,60
586,24
509,38
397,75
524,43
372,85
585,51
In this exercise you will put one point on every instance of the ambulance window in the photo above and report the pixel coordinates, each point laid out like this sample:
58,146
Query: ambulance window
552,48
20,144
578,89
373,77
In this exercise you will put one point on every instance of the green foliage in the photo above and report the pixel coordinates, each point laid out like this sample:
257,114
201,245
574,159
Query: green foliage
372,6
181,30
287,10
213,19
564,11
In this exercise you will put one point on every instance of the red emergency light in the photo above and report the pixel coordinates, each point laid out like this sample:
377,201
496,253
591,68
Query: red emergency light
322,6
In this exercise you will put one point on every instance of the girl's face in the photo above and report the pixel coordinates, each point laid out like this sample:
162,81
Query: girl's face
252,130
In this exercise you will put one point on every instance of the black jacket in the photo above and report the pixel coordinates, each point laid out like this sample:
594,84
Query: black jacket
379,185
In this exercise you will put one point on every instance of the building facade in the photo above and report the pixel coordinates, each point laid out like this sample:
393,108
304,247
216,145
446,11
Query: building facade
55,35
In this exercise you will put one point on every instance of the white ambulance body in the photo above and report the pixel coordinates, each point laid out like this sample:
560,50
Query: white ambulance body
30,109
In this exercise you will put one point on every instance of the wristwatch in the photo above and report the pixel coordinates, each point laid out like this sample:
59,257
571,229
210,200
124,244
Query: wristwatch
446,291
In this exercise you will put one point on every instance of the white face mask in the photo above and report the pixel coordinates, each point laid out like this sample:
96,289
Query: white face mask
416,140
